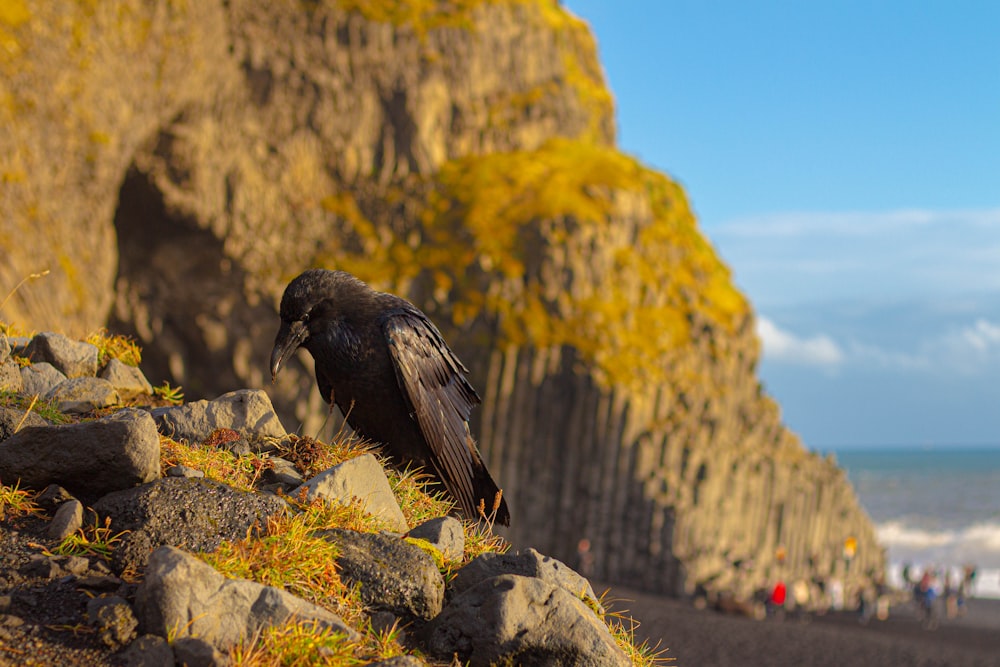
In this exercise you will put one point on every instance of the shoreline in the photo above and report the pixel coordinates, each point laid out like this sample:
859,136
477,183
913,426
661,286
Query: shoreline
707,638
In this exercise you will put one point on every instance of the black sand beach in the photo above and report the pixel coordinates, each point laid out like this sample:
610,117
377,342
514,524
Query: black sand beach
707,638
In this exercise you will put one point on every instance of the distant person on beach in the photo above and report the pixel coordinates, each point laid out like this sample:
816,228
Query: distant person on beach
924,594
881,599
584,557
776,603
866,604
950,597
964,588
836,594
801,596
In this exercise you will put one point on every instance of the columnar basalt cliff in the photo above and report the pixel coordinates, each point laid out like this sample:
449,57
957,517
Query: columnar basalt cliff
174,164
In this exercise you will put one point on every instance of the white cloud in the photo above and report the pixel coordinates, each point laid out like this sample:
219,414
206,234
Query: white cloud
971,350
981,337
803,257
783,346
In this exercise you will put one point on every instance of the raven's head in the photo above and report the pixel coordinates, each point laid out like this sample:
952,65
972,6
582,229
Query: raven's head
307,301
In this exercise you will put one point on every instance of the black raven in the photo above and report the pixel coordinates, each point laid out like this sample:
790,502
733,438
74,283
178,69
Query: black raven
390,372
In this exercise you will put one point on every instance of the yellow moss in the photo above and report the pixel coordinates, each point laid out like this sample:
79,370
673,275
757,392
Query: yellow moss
570,244
638,309
421,15
13,13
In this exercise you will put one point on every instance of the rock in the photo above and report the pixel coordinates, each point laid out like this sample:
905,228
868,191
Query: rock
148,651
10,377
42,566
247,411
184,597
393,575
52,567
68,520
284,472
114,620
443,533
41,378
196,514
83,394
184,471
398,661
528,563
89,458
124,378
72,358
363,479
52,496
18,345
196,652
4,348
11,419
512,619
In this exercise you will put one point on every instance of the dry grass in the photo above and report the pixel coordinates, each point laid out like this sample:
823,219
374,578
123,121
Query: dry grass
96,540
622,628
15,501
122,348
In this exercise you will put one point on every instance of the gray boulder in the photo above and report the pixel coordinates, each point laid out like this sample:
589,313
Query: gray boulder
73,358
393,575
361,479
443,533
4,348
527,563
83,394
124,378
40,378
522,621
196,514
181,596
89,458
247,411
196,652
10,377
148,651
12,420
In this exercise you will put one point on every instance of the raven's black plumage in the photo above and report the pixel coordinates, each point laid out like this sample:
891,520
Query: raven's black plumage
390,372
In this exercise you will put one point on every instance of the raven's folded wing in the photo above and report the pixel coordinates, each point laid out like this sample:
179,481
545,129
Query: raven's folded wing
441,400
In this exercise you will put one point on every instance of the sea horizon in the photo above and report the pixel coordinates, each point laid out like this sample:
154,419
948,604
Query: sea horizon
933,506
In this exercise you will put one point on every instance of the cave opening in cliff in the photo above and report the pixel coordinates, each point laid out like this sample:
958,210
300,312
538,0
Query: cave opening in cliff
171,273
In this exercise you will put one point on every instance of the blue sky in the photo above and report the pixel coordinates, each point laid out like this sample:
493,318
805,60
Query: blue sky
844,158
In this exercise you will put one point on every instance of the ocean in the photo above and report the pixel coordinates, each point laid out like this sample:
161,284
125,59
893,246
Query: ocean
933,507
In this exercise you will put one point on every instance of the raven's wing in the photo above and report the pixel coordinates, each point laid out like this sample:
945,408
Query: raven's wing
440,398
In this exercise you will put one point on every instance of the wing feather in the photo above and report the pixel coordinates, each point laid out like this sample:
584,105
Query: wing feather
441,399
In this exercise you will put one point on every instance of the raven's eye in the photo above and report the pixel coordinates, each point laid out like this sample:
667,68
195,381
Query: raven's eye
305,318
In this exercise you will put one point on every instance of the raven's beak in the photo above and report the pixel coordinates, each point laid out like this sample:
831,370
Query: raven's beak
289,338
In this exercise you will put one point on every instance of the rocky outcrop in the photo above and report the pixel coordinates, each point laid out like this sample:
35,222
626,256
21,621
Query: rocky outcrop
187,611
190,158
483,625
91,458
181,596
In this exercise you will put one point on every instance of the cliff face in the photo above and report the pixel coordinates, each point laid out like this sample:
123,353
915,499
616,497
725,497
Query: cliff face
174,164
